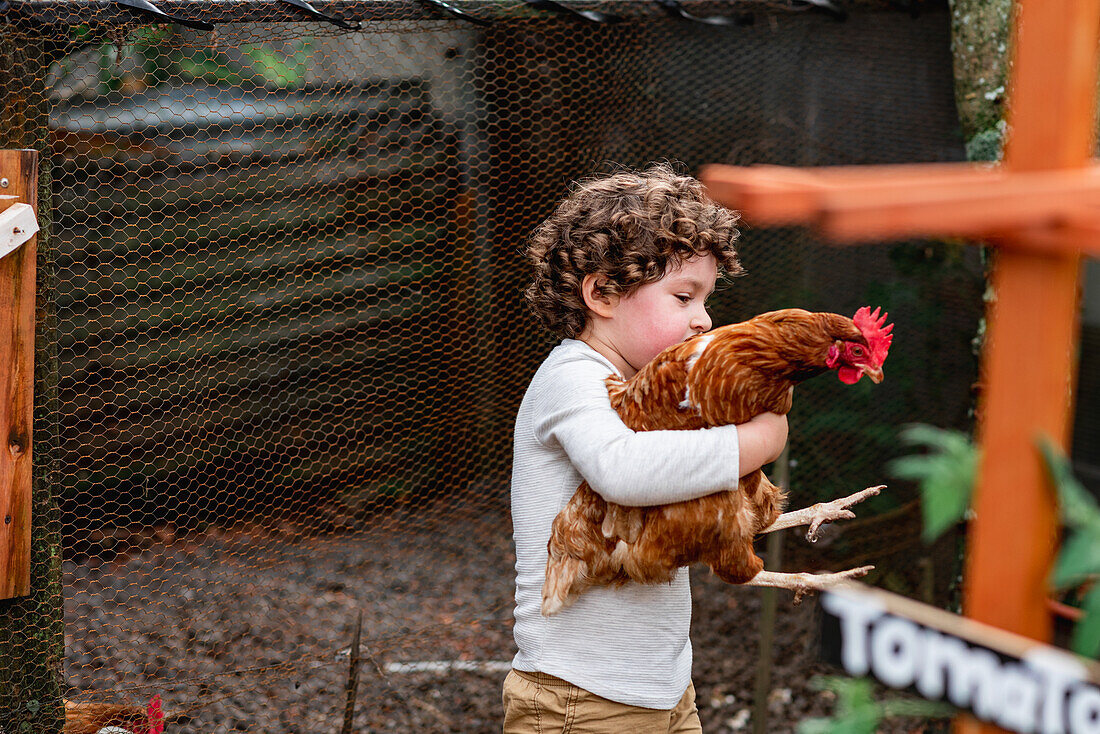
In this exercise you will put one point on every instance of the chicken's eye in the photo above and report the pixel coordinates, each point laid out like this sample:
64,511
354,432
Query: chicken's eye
857,351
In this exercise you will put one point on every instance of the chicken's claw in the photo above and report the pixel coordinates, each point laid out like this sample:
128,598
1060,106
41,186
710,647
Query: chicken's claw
825,512
823,581
805,583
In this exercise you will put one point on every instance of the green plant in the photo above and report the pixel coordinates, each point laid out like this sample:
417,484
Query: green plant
945,474
1078,561
857,711
149,56
211,66
285,71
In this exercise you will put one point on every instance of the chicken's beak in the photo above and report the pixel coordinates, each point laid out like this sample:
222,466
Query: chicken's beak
875,373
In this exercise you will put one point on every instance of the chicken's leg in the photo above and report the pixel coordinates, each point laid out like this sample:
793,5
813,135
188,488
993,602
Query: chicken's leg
817,515
804,583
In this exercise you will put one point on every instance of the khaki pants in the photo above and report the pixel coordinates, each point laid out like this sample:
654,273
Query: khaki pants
537,703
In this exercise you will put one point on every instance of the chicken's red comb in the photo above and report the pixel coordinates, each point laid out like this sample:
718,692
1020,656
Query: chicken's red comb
156,715
878,337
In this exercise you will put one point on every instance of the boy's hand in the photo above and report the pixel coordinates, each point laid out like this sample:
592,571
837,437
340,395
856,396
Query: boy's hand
761,441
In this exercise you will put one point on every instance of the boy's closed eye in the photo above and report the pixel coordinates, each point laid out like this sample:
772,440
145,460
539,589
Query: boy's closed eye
689,297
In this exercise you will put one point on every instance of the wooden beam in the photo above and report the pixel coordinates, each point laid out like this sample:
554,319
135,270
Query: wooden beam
853,204
969,207
778,196
17,320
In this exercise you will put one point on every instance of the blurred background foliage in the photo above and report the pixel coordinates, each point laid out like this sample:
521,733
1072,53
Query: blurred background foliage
136,59
859,711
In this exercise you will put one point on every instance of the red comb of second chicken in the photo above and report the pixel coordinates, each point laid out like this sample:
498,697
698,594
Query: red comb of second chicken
156,715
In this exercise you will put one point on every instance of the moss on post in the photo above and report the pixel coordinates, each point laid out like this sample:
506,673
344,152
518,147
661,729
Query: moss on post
979,45
32,640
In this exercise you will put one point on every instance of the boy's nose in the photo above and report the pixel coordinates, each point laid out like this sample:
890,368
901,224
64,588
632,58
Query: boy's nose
701,322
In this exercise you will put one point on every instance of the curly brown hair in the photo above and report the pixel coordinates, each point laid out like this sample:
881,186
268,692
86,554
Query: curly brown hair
629,227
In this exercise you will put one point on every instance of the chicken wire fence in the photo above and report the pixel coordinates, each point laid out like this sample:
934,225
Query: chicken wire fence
286,339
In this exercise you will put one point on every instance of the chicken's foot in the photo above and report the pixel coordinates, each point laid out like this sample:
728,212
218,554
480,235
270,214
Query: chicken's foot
805,583
817,515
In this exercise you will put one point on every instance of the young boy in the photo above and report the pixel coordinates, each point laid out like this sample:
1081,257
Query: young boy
623,268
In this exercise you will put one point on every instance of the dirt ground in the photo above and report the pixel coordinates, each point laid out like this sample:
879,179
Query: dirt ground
250,630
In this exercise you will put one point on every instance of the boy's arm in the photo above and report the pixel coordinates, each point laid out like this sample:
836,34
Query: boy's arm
761,441
648,467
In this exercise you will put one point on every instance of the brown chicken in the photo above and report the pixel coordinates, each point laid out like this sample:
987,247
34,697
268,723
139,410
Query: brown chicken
725,376
92,718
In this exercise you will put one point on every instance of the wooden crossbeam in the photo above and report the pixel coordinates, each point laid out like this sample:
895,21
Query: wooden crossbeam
860,203
778,196
19,168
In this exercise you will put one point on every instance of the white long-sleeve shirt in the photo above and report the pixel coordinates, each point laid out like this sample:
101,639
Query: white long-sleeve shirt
628,644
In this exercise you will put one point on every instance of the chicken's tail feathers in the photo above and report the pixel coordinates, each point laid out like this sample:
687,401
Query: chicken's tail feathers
564,581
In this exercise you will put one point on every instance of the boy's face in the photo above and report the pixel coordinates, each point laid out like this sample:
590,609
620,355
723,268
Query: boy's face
662,313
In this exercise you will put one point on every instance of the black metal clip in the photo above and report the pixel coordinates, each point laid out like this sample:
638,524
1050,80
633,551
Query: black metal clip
592,16
458,13
318,15
675,9
144,6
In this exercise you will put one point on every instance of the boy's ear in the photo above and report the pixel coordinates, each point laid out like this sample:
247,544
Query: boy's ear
595,295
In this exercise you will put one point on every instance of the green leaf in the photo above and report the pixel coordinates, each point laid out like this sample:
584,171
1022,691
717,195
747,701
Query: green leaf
277,68
944,501
851,693
1086,635
1077,506
816,726
945,475
1078,559
923,709
864,720
943,439
33,706
857,712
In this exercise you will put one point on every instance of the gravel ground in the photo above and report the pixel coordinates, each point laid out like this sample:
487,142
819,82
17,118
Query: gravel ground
249,630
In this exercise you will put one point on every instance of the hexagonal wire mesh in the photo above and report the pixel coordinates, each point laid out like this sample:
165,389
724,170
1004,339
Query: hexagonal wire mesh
290,337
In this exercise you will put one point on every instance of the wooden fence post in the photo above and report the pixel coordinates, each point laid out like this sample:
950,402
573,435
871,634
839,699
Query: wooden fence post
19,179
32,632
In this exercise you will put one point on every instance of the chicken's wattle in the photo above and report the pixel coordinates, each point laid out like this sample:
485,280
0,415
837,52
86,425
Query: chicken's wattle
849,375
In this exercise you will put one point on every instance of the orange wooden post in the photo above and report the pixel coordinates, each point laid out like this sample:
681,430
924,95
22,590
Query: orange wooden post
19,169
1032,329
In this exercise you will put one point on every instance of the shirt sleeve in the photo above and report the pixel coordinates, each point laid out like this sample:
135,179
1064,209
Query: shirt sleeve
621,465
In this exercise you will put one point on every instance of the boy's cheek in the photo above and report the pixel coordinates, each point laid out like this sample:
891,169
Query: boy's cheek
658,338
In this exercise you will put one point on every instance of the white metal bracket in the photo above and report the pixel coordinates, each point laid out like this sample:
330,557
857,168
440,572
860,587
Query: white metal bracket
17,225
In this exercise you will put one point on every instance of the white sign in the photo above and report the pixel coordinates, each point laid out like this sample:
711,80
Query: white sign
1019,685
